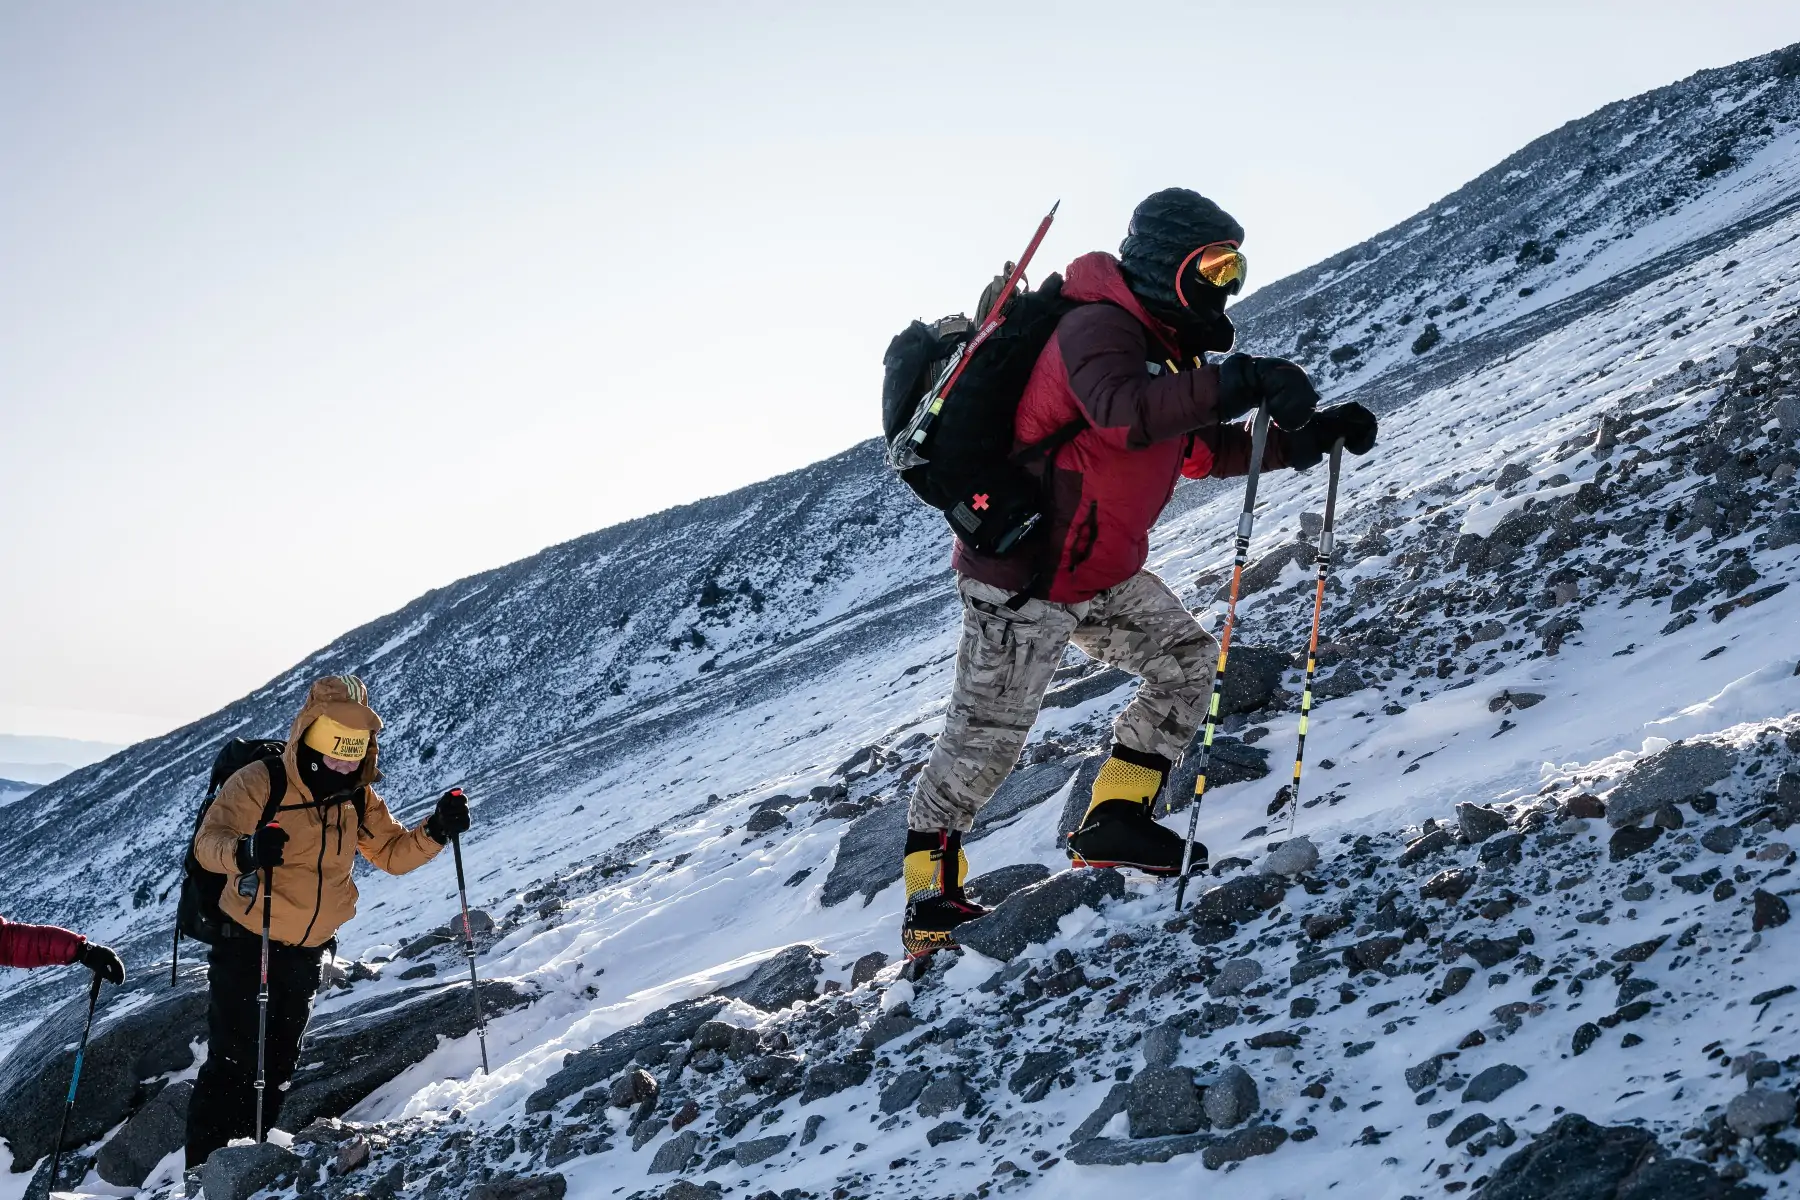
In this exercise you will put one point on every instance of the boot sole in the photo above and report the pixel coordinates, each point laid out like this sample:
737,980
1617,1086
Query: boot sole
1077,862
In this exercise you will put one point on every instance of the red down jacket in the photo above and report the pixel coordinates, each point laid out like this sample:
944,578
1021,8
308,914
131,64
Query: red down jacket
36,945
1144,431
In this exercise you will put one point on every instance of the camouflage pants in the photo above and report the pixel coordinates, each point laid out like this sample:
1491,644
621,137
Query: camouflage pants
1005,662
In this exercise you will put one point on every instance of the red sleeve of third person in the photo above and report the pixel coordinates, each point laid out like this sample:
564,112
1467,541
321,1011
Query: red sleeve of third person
36,945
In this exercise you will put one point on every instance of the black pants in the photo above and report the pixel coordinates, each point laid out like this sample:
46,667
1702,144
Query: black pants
223,1106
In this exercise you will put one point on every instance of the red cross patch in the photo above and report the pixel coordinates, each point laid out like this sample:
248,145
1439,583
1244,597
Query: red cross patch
981,501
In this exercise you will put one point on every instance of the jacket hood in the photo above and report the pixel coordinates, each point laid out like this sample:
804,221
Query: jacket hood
1096,277
345,699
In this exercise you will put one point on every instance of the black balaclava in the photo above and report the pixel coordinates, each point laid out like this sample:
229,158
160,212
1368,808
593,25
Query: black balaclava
321,780
1166,228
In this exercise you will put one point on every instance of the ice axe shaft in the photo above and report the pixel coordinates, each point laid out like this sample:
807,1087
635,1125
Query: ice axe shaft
462,891
1259,437
74,1082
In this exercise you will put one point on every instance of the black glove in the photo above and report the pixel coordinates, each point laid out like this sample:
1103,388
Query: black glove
1351,422
1245,382
265,848
450,818
101,961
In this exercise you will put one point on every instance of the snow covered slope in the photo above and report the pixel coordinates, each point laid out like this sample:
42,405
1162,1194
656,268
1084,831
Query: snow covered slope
1572,547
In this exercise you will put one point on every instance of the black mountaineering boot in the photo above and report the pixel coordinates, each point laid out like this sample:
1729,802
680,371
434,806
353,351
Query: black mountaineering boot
935,904
1120,828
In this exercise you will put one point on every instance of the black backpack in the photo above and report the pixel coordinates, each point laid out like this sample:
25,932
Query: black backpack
197,914
949,426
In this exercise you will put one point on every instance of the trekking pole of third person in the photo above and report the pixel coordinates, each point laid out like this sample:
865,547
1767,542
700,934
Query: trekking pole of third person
262,1002
1259,437
74,1082
1312,647
462,891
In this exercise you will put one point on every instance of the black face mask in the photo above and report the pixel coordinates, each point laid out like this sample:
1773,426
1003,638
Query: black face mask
323,782
1200,328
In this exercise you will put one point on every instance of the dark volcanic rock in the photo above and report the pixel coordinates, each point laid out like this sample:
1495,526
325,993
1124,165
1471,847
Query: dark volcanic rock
355,1050
1492,1082
1479,823
899,1095
677,1154
1767,910
1163,1101
606,1058
1241,899
1039,1065
140,1032
1450,885
1670,776
239,1172
526,1187
991,887
867,967
155,1131
830,1078
1232,1098
1245,1143
1491,952
1120,1152
787,978
1029,917
1632,840
1576,1159
1431,843
1370,953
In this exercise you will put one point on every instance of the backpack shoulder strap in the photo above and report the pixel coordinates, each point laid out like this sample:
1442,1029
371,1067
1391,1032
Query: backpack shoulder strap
277,789
360,798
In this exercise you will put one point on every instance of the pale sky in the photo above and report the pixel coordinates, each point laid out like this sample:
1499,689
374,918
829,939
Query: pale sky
307,309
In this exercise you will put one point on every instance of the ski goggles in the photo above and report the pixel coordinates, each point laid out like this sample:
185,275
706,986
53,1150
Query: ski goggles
1221,264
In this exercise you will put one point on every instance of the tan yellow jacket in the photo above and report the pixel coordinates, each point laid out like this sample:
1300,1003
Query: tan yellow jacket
314,894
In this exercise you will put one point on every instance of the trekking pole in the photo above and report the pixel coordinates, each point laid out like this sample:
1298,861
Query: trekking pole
1259,437
462,891
74,1082
1312,647
262,1002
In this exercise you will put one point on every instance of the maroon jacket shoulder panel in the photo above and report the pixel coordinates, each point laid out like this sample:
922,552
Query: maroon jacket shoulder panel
36,945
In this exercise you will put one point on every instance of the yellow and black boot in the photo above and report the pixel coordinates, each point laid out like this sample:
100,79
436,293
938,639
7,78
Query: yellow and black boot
935,904
1120,828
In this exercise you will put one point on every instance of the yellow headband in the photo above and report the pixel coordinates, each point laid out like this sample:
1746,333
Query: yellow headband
334,740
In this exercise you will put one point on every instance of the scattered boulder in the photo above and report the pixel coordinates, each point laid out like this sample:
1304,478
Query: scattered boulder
1767,910
633,1088
1479,823
1232,1098
677,1154
1424,847
1449,886
946,1094
529,1187
239,1172
1759,1110
1161,1044
1576,1159
788,977
1672,775
1034,1075
1162,1102
157,1130
1631,841
899,1095
1296,856
1121,1152
1489,1084
1240,899
1370,953
867,967
1245,1143
949,1131
1234,977
831,1077
1029,916
757,1149
991,887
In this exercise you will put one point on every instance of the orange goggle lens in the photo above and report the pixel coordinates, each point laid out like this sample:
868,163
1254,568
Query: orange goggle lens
1221,265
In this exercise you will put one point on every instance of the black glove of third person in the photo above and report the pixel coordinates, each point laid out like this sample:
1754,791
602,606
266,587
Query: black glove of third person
1351,422
265,848
102,961
451,817
1245,382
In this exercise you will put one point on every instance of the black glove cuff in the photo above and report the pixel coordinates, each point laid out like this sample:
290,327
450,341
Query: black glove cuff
246,854
435,831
